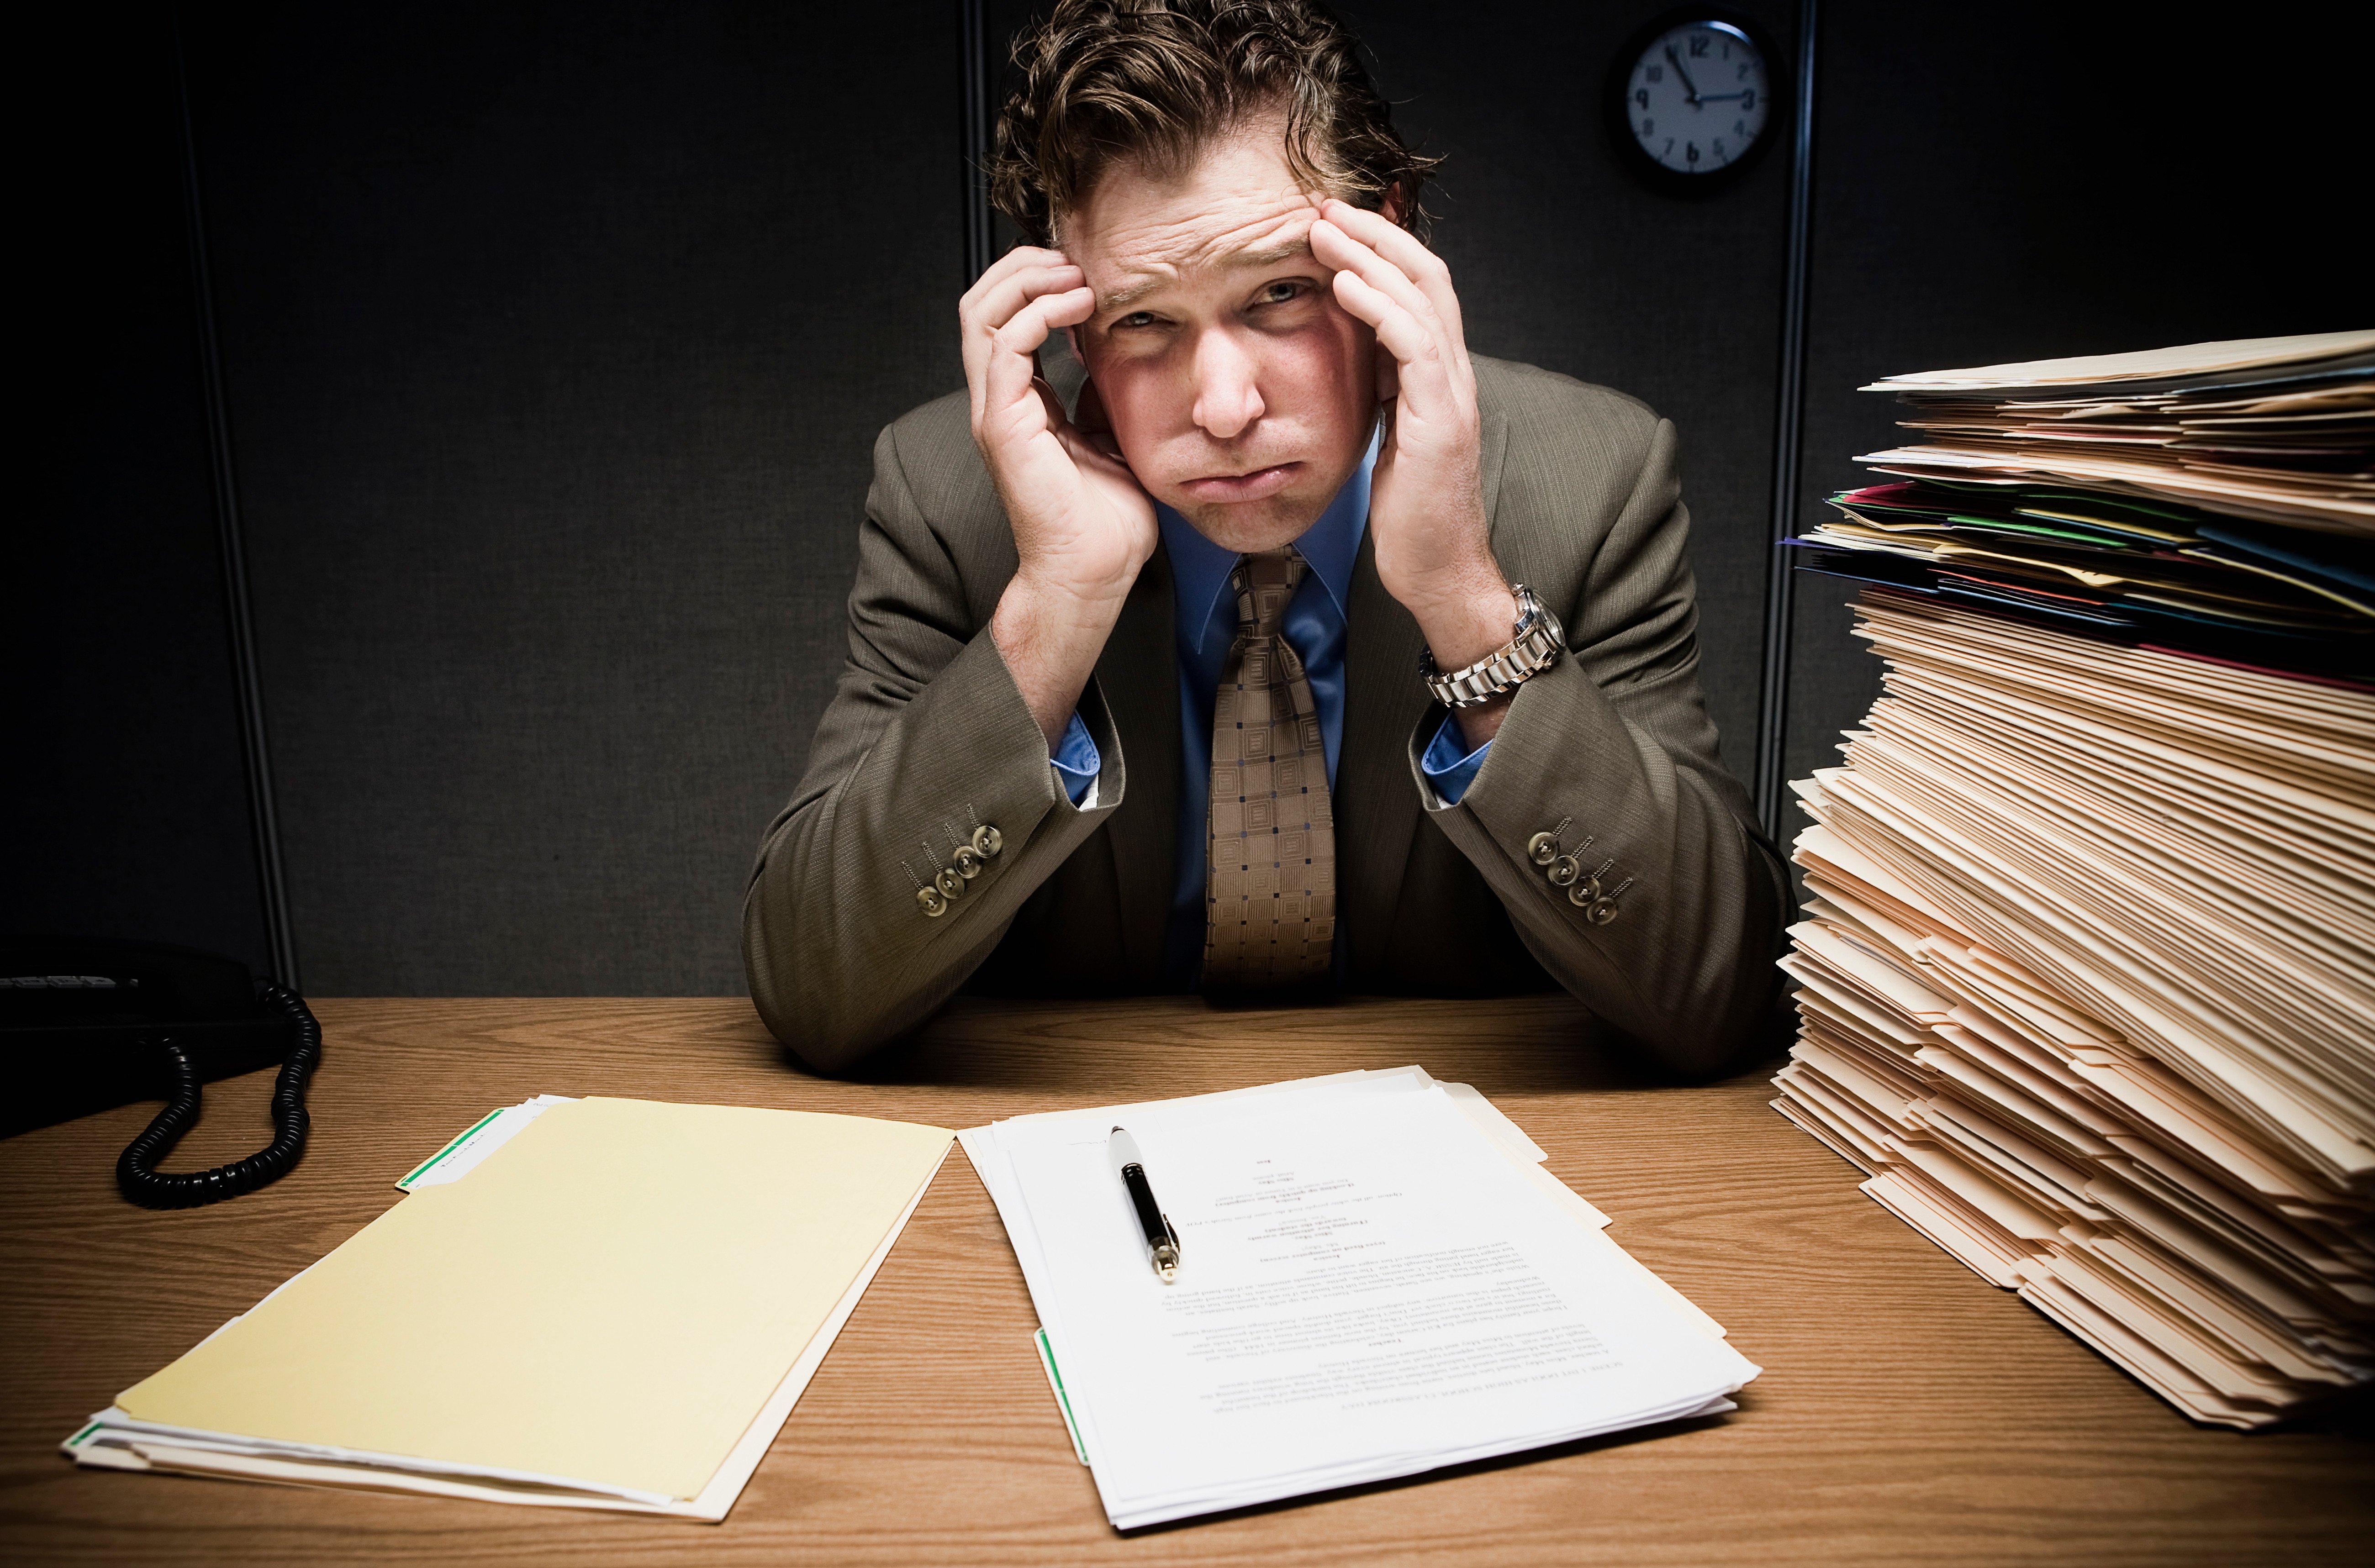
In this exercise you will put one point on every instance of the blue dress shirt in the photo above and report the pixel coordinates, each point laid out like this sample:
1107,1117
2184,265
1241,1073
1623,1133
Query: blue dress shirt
1206,619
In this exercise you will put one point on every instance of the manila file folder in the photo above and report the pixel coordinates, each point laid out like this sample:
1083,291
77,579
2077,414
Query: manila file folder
611,1297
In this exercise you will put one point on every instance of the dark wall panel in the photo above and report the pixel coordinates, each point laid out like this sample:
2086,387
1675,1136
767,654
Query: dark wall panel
557,338
1563,260
2027,181
125,788
557,341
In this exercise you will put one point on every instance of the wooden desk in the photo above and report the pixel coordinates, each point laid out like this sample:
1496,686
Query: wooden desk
1907,1412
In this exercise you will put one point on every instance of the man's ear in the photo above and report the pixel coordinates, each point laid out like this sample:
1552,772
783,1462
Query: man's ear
1392,207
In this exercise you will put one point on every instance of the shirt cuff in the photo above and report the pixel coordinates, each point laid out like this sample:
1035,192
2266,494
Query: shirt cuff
1446,764
1076,760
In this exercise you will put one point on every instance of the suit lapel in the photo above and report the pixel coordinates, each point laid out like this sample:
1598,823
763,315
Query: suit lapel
1377,802
1138,673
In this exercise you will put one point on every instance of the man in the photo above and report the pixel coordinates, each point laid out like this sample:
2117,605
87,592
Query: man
1134,696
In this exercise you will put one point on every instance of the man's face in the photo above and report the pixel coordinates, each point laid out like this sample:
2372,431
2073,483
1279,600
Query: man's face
1242,394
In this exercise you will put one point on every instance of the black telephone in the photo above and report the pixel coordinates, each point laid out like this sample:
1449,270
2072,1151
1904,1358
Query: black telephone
87,1024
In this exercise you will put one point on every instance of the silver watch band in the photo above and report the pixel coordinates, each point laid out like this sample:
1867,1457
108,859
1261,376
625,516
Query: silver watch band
1535,643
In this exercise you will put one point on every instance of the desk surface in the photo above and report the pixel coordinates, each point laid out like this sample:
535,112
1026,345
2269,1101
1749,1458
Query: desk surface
1907,1412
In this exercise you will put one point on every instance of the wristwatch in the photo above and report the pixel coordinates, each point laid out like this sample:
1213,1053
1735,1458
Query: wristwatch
1535,643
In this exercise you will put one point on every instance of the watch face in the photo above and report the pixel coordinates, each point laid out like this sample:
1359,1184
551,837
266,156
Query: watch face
1697,98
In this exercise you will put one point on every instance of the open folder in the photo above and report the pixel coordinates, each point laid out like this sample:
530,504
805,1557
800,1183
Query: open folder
1375,1278
614,1307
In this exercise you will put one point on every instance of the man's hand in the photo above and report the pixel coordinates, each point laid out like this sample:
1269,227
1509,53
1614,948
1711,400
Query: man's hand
1082,525
1426,499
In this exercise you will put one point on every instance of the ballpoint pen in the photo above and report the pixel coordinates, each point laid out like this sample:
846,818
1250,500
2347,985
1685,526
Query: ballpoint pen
1161,1241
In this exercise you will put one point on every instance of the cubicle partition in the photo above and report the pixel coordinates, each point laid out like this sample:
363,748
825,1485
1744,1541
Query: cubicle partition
457,419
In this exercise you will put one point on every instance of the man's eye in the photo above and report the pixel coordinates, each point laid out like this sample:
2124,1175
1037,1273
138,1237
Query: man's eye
1280,292
1137,318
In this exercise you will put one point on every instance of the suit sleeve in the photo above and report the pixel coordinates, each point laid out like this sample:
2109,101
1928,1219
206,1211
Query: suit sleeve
926,738
1611,752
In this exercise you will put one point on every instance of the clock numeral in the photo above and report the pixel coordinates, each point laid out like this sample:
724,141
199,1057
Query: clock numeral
1657,73
1669,152
1748,101
1649,127
1699,45
1718,148
1692,151
1740,128
1641,97
1741,74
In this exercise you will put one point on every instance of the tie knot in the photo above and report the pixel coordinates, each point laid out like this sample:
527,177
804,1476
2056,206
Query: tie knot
1264,584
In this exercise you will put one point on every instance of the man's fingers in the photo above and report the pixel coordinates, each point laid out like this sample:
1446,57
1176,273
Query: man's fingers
1389,240
1018,278
1401,247
996,300
1029,327
1339,250
1021,258
1418,350
1010,366
1048,401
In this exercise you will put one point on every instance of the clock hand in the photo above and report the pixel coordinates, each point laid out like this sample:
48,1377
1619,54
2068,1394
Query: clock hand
1718,96
1682,71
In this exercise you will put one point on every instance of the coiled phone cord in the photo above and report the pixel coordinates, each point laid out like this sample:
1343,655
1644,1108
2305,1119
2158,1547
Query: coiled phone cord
137,1174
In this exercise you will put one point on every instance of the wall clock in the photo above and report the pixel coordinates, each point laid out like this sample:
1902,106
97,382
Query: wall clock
1691,99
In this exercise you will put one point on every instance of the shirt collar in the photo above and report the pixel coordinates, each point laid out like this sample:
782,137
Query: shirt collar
1199,569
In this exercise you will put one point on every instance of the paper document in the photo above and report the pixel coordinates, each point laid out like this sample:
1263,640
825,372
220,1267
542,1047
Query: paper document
1369,1285
2237,357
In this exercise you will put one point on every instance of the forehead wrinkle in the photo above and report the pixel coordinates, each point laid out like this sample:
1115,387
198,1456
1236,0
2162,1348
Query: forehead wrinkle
1163,257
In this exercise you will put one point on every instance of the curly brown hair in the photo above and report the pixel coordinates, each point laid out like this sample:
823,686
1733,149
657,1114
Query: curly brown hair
1158,81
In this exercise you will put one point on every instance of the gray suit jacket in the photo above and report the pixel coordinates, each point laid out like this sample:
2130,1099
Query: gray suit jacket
927,735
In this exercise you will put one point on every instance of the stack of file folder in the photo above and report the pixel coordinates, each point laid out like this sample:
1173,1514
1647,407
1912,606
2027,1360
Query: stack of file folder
2088,968
1375,1278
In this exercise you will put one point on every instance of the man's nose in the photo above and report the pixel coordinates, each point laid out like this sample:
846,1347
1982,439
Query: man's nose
1228,396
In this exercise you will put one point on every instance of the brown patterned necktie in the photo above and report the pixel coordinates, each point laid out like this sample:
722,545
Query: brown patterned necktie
1271,848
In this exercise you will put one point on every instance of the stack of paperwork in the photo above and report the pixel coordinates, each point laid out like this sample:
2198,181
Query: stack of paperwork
2218,499
1377,1278
2088,968
589,1304
2273,429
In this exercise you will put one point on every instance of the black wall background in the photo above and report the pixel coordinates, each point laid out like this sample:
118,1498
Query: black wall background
554,342
123,785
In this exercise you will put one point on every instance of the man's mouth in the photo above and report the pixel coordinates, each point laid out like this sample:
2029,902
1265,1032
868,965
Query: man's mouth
1259,484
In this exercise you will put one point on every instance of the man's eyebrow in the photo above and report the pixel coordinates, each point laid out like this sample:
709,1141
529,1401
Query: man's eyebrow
1275,251
1129,294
